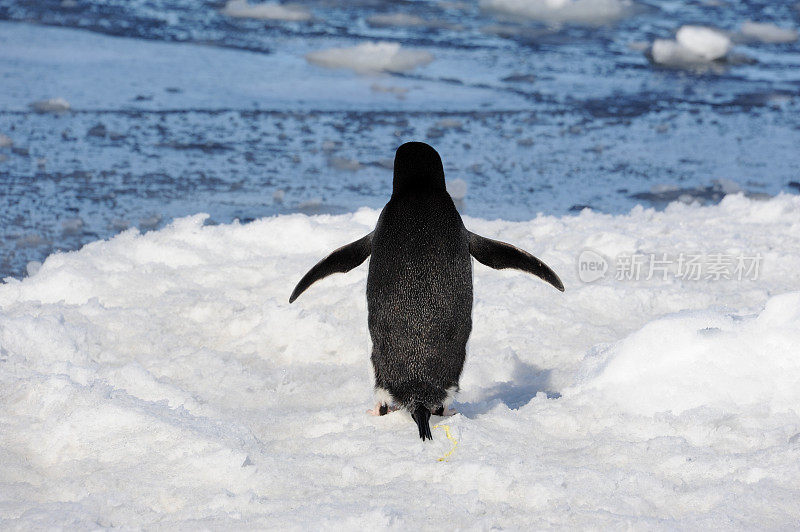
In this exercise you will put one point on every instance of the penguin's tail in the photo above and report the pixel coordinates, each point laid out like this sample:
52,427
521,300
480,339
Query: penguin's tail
422,416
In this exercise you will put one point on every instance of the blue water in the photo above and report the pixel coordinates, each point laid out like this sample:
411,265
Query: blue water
178,109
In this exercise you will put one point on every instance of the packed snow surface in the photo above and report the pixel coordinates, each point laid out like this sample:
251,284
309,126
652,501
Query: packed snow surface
163,380
371,57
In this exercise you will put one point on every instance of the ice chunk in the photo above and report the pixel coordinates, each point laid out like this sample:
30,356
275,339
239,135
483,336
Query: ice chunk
150,222
53,105
266,11
400,92
449,123
33,267
767,32
707,43
590,12
72,226
457,189
669,52
371,57
343,163
5,141
693,45
396,19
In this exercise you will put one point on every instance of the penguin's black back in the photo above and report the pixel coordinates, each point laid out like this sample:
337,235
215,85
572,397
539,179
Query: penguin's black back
419,287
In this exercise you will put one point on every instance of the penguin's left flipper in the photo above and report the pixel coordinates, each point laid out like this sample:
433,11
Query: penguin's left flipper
341,260
499,255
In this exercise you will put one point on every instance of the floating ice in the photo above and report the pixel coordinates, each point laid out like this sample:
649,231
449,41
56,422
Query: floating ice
33,267
396,19
669,52
266,11
399,92
343,163
767,32
449,123
693,45
457,189
590,12
53,105
707,43
371,57
150,222
72,226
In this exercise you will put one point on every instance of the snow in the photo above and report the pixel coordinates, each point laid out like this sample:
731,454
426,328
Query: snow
266,11
768,32
705,359
163,380
371,57
590,12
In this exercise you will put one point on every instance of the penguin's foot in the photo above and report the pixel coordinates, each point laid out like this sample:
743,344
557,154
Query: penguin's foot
381,409
442,411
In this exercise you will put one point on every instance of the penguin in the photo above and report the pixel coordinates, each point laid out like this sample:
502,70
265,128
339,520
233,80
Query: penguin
419,287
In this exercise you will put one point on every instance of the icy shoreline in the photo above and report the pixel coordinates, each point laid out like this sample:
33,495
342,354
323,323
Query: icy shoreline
163,379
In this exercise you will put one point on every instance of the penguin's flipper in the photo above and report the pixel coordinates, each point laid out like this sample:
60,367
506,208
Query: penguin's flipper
499,255
342,260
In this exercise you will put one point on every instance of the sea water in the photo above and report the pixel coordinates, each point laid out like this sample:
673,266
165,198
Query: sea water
169,108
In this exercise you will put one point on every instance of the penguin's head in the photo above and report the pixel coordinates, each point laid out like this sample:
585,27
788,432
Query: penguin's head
417,166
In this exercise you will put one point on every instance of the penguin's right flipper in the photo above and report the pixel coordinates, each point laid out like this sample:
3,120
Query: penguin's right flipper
341,260
499,255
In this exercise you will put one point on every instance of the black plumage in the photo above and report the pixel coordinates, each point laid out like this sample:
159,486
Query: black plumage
419,287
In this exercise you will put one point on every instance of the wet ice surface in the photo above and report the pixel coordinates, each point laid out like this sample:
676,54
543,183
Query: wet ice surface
177,108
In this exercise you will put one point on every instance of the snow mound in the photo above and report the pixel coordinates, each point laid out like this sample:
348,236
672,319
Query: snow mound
589,12
703,359
371,57
266,11
767,32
